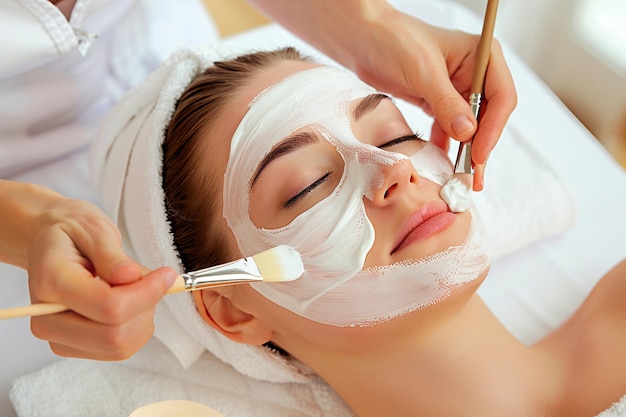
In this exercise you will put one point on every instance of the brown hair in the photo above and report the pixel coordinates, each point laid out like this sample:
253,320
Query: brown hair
191,198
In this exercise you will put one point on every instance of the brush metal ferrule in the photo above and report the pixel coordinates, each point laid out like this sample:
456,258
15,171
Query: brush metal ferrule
237,272
463,164
474,101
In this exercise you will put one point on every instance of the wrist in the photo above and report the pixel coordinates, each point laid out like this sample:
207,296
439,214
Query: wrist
22,208
338,28
363,24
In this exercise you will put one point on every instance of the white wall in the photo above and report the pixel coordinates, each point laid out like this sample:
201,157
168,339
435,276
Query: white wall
543,32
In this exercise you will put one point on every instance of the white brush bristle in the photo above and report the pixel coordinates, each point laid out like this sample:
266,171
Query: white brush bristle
282,263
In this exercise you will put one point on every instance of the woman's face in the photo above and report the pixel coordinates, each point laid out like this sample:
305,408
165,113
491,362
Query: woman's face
409,217
323,163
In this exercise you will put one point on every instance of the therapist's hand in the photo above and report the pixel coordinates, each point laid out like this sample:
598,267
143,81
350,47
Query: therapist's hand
402,55
112,315
64,244
433,68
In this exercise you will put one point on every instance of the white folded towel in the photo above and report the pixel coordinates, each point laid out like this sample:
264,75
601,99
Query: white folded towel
84,388
525,200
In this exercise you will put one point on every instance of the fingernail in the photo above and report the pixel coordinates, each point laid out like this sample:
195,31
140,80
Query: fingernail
171,277
462,126
481,178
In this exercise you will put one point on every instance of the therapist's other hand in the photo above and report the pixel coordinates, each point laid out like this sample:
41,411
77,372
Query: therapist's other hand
433,68
111,316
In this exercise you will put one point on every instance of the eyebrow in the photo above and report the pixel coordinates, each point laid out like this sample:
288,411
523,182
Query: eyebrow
290,144
368,104
302,139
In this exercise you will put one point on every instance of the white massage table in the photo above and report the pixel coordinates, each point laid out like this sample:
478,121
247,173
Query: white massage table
528,302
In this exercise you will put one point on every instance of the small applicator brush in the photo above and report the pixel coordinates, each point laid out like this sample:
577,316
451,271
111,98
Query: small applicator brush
279,264
457,191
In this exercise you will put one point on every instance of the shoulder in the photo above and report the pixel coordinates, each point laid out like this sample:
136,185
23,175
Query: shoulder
590,347
607,297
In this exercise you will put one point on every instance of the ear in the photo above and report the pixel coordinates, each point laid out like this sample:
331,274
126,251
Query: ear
218,310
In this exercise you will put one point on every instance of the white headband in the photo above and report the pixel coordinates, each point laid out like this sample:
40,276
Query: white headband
127,168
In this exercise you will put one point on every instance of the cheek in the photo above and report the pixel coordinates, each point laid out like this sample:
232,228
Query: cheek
386,225
260,203
290,175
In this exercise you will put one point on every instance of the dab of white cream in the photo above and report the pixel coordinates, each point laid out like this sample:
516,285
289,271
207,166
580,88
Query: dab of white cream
457,193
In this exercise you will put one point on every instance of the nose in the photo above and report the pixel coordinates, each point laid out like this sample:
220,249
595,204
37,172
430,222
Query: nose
396,179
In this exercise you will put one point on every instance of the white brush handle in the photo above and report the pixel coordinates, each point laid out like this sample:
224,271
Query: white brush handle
180,285
42,309
237,272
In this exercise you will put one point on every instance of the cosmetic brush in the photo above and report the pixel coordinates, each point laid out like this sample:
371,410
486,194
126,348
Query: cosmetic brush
279,264
457,190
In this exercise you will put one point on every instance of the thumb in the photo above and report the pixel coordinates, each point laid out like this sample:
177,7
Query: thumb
112,265
451,110
109,262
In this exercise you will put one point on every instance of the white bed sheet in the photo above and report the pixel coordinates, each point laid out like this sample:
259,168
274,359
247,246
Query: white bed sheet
531,290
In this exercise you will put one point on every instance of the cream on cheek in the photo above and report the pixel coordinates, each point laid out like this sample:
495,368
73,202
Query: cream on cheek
335,235
294,182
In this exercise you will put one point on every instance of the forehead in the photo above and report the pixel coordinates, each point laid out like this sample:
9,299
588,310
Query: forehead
270,76
217,139
300,99
236,109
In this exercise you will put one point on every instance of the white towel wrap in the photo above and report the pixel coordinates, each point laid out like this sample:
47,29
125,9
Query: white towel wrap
127,163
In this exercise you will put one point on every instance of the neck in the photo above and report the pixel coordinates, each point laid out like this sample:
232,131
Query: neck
469,365
65,6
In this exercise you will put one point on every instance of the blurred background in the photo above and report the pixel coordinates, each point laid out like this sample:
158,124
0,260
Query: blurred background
577,47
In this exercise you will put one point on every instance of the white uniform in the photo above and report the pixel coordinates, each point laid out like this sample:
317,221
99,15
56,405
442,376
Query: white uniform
58,77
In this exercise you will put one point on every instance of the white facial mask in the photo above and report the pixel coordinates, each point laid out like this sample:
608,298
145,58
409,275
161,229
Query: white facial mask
334,236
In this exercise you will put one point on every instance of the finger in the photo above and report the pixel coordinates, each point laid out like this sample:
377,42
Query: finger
479,177
58,267
72,335
501,99
439,137
113,305
450,109
423,104
100,242
62,276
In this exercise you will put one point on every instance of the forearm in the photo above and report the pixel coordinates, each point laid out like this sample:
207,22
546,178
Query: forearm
332,26
20,206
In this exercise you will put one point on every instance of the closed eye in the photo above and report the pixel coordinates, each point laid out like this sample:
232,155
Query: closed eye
400,140
293,200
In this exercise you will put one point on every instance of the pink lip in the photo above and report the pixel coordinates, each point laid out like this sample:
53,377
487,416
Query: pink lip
431,219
